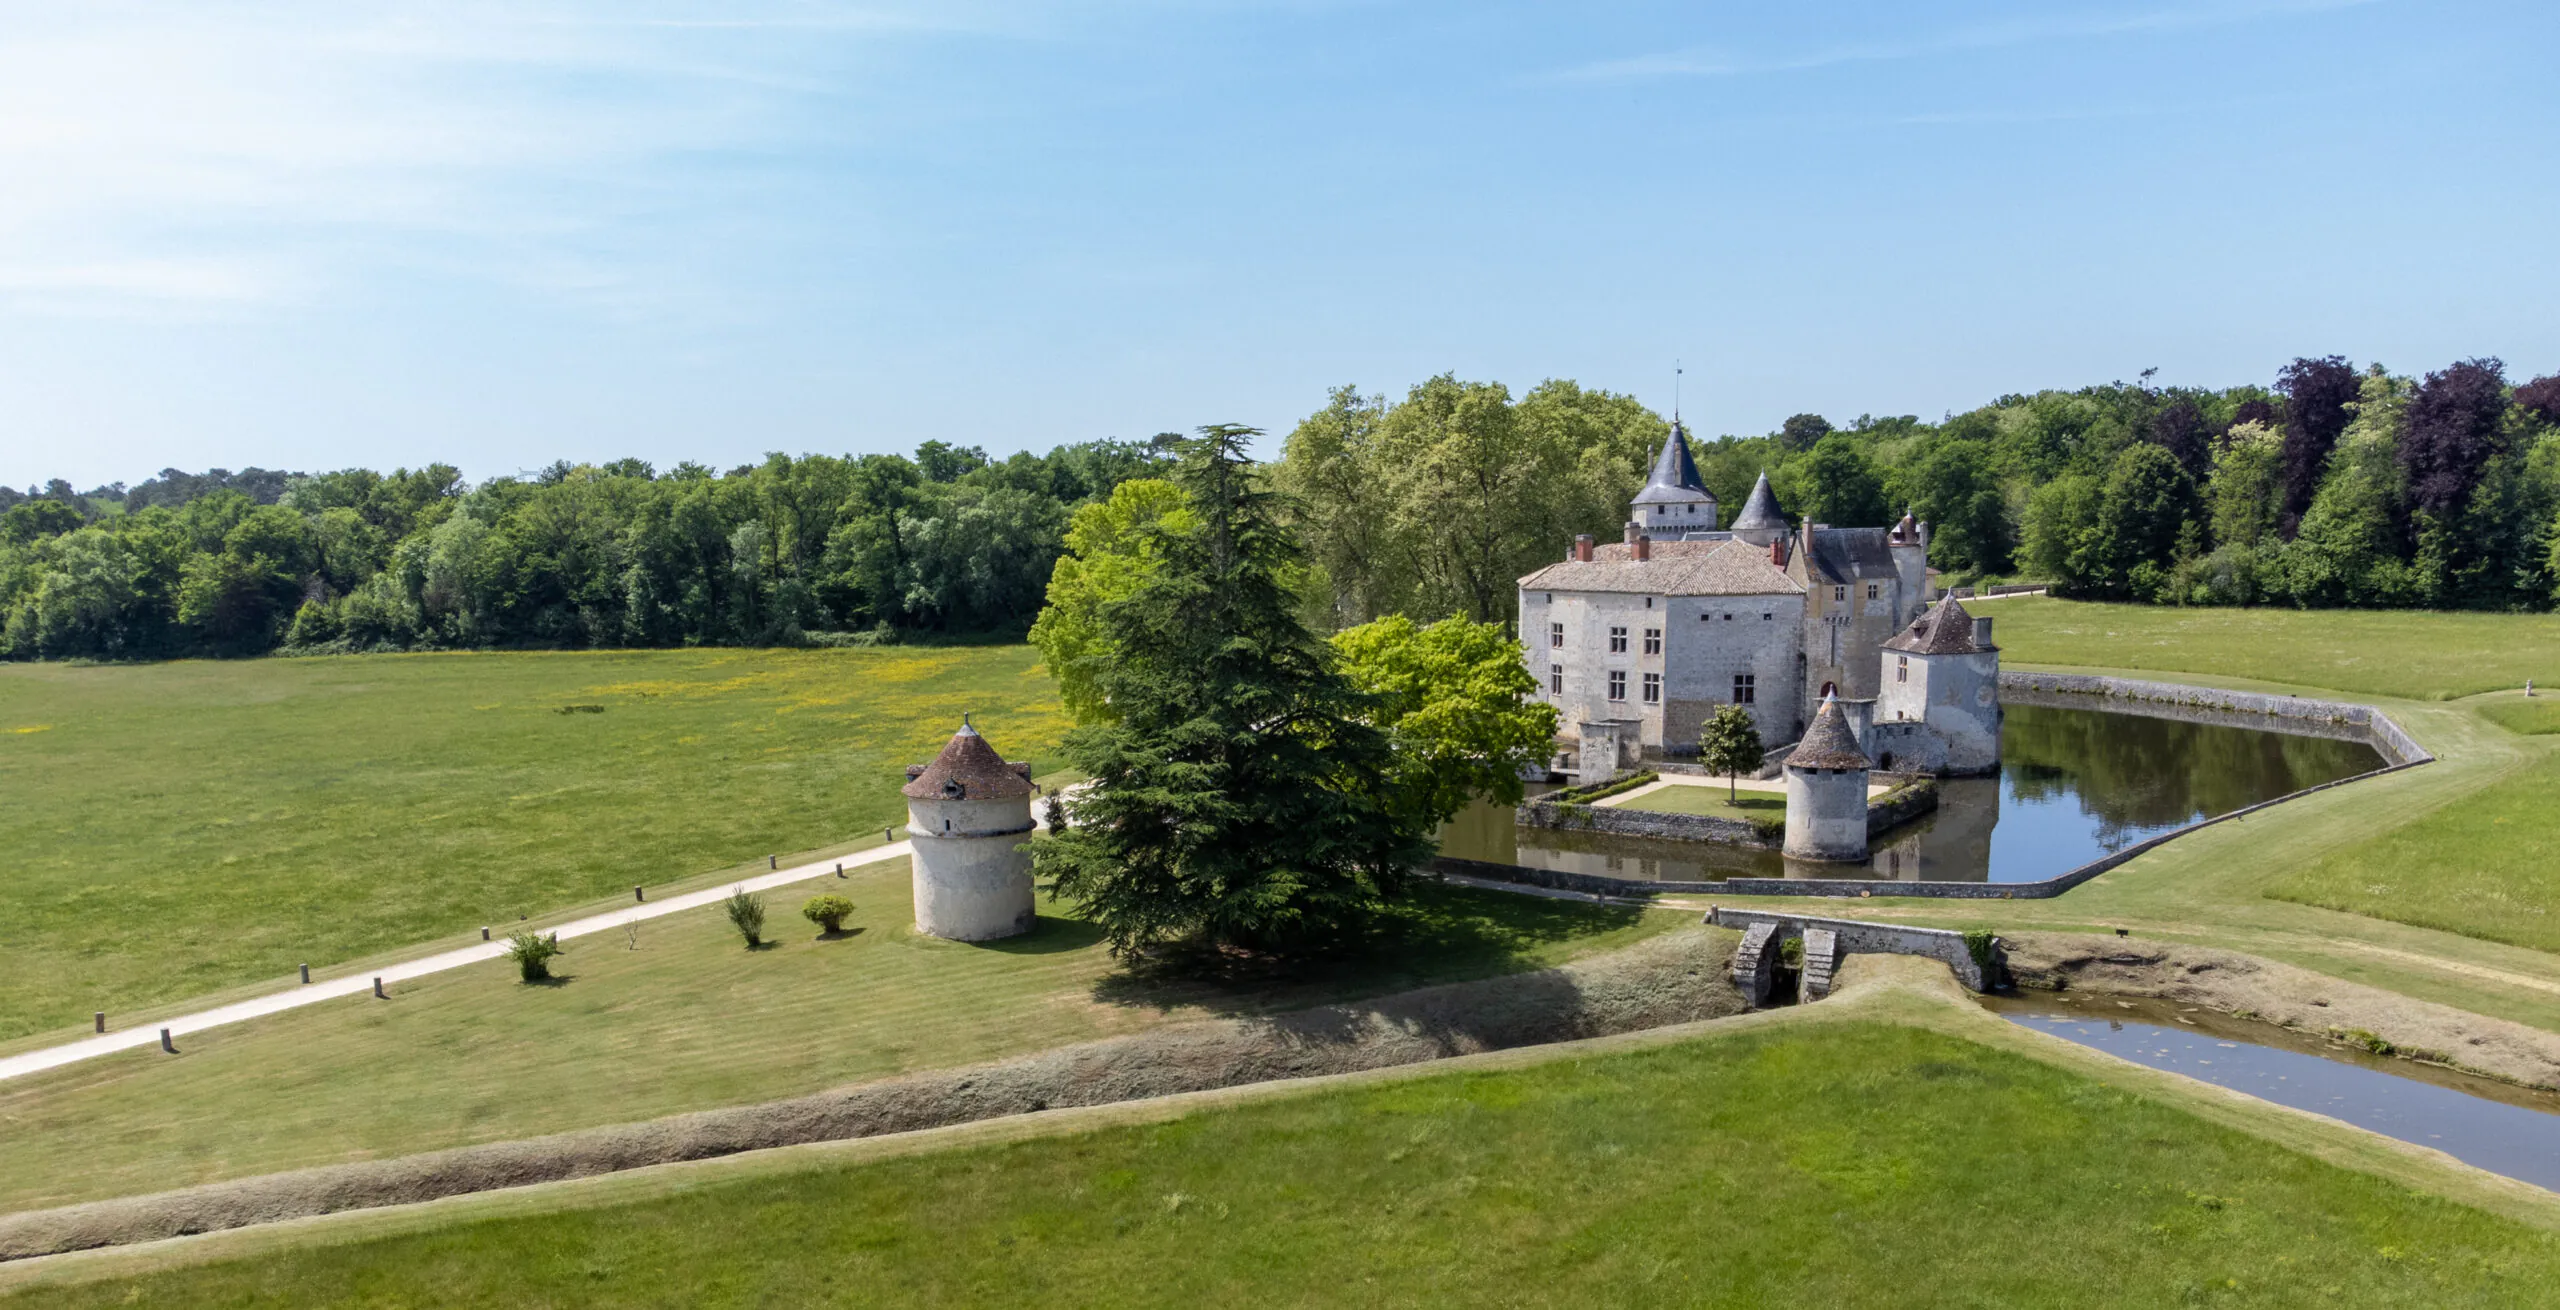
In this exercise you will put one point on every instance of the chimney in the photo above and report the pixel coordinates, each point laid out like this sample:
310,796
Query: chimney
1982,633
1634,533
1642,544
1582,547
1778,551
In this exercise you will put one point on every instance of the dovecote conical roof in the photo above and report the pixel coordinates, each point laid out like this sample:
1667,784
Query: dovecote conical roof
967,769
1830,743
1760,510
1942,629
1675,478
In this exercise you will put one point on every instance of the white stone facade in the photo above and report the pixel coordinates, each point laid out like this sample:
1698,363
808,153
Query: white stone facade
968,819
1826,814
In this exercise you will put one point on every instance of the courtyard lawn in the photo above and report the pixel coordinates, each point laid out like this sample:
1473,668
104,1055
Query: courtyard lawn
1838,1162
1683,799
688,1020
2411,654
175,829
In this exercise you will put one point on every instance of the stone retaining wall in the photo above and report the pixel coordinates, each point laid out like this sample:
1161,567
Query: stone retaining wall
1910,798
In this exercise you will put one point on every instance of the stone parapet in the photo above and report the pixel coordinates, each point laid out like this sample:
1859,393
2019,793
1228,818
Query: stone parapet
1854,936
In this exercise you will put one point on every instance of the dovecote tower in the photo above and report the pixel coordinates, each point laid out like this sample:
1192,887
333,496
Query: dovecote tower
968,814
1827,789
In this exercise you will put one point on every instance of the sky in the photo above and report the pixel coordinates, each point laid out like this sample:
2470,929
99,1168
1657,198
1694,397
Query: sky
311,236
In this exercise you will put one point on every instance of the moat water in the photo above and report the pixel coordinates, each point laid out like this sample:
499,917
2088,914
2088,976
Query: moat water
2074,785
2479,1121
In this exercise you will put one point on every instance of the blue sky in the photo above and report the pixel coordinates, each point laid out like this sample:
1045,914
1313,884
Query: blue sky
311,236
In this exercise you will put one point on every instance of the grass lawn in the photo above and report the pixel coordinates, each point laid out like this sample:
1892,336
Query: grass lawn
1711,801
1846,1162
690,1020
174,829
2412,654
2537,717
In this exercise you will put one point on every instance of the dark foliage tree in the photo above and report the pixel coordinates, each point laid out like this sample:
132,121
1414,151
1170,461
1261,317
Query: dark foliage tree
2146,504
1234,800
2451,430
1803,431
2540,398
2256,409
2179,428
1840,485
2316,395
1954,488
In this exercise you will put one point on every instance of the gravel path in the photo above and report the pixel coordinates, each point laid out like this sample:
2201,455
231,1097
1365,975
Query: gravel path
312,994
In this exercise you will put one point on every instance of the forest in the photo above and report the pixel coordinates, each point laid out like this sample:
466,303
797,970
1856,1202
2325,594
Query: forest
2331,486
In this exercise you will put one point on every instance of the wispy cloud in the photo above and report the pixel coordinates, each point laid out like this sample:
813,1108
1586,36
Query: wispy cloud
161,158
1710,61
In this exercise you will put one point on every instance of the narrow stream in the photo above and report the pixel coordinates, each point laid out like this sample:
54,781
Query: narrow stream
2479,1121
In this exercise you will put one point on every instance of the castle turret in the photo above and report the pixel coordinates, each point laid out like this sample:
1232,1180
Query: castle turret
968,814
1675,500
1827,790
1943,672
1760,522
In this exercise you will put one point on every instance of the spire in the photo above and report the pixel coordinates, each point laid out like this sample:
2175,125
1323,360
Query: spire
1675,476
1760,509
1830,743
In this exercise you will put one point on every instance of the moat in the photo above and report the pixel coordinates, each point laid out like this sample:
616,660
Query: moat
2074,784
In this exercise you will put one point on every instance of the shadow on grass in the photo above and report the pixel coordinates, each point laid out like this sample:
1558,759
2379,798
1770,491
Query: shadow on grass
1439,934
1049,935
839,935
549,980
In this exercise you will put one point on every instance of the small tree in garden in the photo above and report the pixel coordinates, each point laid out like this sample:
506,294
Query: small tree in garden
1729,744
533,953
827,912
746,912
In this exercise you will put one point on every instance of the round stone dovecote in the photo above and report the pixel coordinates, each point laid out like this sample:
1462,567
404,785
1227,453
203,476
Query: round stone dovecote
1827,790
968,815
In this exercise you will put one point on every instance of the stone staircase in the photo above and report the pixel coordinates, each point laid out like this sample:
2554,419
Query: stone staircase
1821,962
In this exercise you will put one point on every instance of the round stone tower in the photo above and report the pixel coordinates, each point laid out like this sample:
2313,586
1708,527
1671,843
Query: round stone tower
1827,790
968,813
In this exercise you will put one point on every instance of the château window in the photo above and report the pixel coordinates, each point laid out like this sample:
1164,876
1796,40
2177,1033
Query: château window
1653,641
1766,617
1902,668
1555,679
1617,642
1744,693
1871,591
1555,634
1617,684
1653,689
1839,593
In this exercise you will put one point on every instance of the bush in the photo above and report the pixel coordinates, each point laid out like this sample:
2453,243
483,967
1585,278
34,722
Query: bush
746,913
827,912
533,953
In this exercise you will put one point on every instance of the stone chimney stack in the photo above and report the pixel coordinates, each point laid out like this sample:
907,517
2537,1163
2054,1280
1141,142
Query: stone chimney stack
1982,633
1778,553
1641,544
1582,547
1633,532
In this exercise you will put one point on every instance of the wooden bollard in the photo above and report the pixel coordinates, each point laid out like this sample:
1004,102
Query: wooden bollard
306,973
167,1045
773,861
839,868
637,894
102,1021
888,834
484,932
378,993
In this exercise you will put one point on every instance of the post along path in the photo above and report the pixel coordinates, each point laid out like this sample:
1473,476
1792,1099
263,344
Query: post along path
313,993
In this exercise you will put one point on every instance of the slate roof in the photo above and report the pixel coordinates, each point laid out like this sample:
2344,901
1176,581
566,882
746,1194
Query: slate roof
1852,554
972,767
1942,629
1760,509
1678,568
1675,477
1830,743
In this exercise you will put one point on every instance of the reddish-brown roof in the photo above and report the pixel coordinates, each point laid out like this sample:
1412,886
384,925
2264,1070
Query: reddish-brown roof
967,769
1830,743
1724,567
1942,629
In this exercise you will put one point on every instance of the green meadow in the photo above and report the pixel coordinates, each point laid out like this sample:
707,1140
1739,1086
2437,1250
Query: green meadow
181,828
2409,654
1849,1162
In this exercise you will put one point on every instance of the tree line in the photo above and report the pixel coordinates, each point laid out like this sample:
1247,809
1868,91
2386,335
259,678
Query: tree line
2332,486
817,549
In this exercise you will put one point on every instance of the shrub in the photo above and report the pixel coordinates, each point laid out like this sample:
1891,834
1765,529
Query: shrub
533,953
827,912
1977,943
746,913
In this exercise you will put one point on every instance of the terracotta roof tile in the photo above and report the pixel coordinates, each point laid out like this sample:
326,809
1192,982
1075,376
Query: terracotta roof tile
1942,629
1678,568
967,769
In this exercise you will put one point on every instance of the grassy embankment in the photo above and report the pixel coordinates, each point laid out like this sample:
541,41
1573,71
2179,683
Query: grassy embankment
1858,1152
2437,882
1682,799
178,829
689,1020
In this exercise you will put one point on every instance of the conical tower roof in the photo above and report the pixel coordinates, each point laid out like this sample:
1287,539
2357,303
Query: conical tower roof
1942,629
1675,477
1830,743
967,769
1760,509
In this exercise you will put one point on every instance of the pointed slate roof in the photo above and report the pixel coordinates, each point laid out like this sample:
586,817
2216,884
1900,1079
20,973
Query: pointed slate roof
1942,629
1675,477
1830,743
967,769
1760,510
